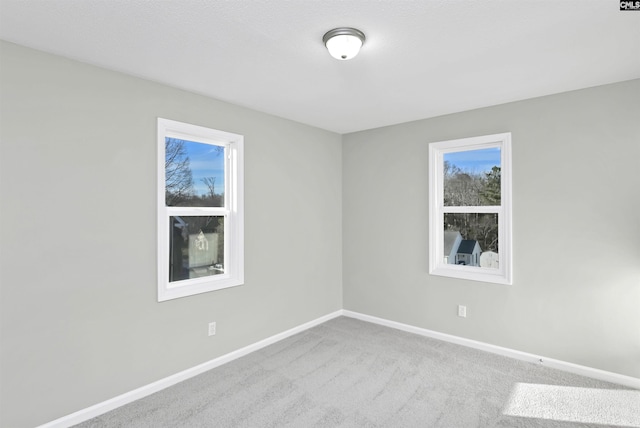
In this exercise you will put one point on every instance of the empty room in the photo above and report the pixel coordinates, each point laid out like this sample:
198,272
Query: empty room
319,213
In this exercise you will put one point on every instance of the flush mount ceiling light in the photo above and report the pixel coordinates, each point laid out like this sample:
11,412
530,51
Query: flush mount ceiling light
343,43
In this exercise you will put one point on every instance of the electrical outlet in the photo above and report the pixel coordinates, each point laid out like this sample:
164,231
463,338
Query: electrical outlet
462,311
212,328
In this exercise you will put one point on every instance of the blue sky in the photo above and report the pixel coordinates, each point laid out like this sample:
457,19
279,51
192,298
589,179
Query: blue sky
475,160
205,161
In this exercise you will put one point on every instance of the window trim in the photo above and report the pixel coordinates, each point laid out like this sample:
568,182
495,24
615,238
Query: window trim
233,211
437,150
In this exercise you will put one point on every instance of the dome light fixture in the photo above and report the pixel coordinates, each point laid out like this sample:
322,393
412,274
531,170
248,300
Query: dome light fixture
343,43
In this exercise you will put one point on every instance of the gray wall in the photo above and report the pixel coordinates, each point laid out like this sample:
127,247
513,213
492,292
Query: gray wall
80,321
576,235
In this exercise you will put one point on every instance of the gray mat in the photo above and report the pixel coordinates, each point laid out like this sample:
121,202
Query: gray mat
350,373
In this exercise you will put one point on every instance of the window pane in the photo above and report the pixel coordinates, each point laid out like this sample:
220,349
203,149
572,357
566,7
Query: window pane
194,174
196,246
471,240
472,177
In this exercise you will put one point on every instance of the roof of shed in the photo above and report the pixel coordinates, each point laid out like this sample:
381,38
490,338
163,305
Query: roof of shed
467,246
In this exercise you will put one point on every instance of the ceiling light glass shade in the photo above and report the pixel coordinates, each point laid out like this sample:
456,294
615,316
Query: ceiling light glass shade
343,43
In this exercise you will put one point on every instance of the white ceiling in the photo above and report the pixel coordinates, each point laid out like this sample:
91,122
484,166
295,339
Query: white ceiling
421,58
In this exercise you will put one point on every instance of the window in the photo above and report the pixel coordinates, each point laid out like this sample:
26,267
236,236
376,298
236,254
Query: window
470,208
200,210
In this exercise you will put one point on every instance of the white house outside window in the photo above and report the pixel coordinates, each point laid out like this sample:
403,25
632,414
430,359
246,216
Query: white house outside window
200,209
470,208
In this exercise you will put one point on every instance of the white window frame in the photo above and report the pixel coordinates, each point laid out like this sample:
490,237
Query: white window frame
437,265
233,211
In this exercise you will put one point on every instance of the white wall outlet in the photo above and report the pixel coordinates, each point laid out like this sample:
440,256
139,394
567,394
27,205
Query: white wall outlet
462,311
212,328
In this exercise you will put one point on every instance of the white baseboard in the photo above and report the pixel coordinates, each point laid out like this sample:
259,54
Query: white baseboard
131,396
616,378
136,394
